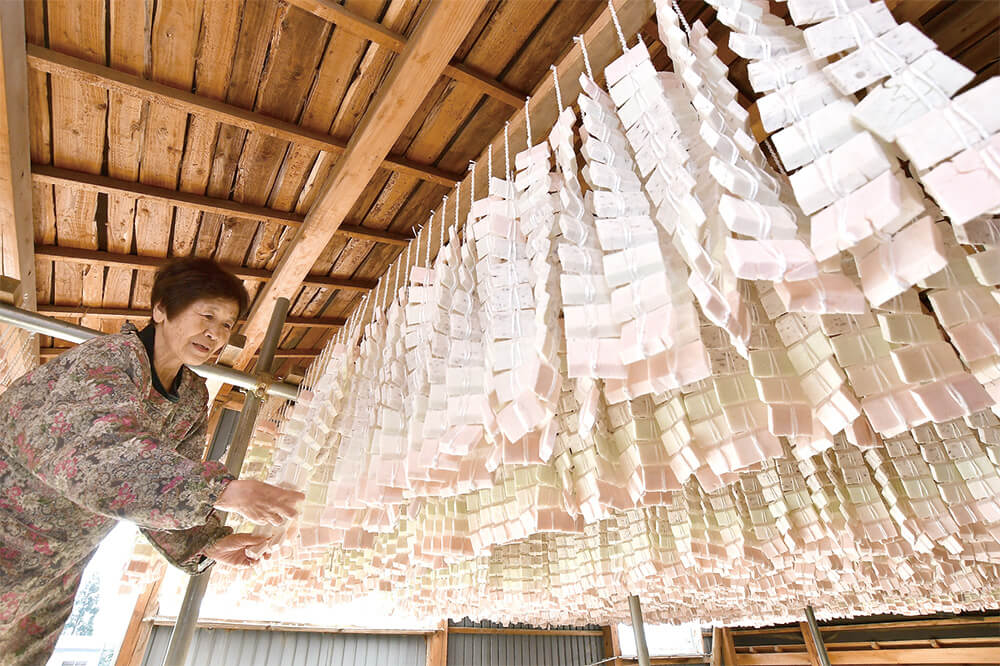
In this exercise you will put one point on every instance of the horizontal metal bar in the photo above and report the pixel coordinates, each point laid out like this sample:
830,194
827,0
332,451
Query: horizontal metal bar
36,323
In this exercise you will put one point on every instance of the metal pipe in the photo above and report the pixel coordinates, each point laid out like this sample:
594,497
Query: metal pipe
187,618
817,637
642,651
43,325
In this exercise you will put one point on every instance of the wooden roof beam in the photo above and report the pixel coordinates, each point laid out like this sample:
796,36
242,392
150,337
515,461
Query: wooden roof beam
17,240
435,40
137,262
42,173
127,313
52,352
46,60
373,31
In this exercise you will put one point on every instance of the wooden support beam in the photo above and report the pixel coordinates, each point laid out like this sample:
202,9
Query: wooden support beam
17,259
46,60
611,645
328,10
716,657
142,315
137,262
503,631
727,646
949,655
85,182
133,648
437,647
435,40
810,646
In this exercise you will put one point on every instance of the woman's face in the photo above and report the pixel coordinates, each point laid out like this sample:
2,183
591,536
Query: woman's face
199,331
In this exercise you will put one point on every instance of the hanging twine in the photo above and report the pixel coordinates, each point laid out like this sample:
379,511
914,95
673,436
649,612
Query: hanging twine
506,150
586,56
489,164
555,80
618,26
680,15
527,119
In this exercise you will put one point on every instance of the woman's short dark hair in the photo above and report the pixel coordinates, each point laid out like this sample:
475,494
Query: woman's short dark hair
181,282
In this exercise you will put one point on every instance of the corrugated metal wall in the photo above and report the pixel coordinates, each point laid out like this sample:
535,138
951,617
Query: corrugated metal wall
522,649
231,647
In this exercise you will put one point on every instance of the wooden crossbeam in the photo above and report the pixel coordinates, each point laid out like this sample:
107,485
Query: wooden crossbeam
42,173
373,31
46,60
945,655
127,313
16,226
438,35
98,258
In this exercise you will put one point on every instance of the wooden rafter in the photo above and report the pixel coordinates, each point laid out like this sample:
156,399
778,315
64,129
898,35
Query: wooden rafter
75,69
379,34
308,354
139,262
142,315
16,227
427,53
86,182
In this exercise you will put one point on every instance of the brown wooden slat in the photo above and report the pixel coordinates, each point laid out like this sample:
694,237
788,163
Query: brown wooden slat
376,32
432,46
128,313
82,72
307,354
16,226
963,655
139,262
92,183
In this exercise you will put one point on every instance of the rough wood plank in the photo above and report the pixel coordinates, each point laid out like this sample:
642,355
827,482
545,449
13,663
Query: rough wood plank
383,36
79,114
42,199
91,183
434,42
139,262
308,354
963,22
97,76
16,224
962,655
728,647
811,648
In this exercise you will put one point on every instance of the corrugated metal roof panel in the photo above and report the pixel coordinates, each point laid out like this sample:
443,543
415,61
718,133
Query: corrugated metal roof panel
247,647
523,650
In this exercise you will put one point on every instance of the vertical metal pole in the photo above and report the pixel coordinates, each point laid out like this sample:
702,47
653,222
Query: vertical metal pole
642,652
817,637
187,618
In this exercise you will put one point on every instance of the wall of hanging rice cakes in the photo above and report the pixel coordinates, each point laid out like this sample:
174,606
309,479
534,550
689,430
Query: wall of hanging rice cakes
656,361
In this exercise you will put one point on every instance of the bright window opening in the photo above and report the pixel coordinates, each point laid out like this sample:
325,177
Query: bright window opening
663,640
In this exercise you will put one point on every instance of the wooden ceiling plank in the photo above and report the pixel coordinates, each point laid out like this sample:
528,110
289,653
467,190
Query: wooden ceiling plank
126,130
75,69
40,127
309,354
74,311
283,94
140,262
79,114
17,234
92,183
435,40
380,34
174,41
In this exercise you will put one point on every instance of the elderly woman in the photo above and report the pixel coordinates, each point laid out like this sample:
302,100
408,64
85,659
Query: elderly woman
116,429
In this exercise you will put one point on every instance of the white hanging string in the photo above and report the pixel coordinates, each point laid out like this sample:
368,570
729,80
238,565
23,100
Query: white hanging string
680,15
506,150
489,165
527,119
618,26
555,80
444,207
586,56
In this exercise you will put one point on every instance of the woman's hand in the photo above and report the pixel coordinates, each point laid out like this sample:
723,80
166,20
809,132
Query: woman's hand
260,502
232,549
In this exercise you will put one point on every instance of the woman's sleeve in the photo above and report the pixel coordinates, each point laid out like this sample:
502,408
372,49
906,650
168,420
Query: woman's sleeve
89,446
183,548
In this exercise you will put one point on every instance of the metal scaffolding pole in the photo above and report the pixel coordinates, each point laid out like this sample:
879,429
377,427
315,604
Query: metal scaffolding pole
817,637
642,652
187,618
36,323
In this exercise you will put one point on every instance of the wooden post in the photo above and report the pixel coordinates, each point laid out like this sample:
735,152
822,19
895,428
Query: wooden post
815,638
137,634
727,646
437,646
810,647
609,634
